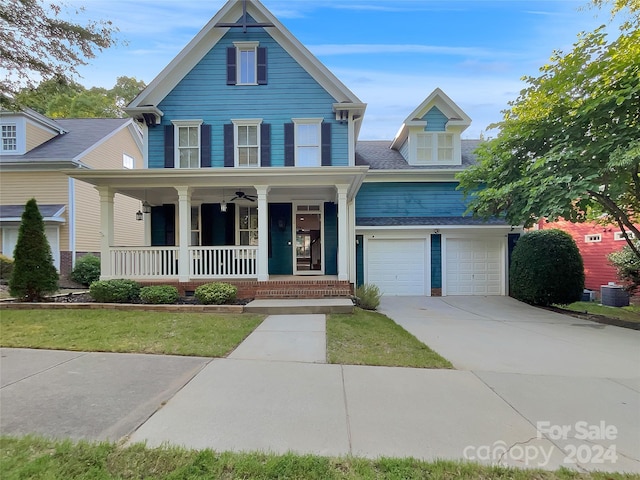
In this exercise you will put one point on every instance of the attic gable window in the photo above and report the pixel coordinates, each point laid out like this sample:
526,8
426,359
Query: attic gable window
9,138
246,64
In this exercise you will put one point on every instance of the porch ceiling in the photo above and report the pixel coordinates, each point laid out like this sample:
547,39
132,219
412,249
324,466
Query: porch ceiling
289,183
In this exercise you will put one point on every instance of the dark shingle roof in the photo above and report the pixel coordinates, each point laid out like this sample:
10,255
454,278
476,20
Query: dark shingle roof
82,133
15,211
431,221
378,155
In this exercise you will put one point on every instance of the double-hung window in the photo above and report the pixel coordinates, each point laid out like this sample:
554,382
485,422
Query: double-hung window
9,138
434,147
187,143
307,141
247,142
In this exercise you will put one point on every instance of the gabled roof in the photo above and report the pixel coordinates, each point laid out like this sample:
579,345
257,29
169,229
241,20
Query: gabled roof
438,99
379,155
35,117
211,34
82,135
13,213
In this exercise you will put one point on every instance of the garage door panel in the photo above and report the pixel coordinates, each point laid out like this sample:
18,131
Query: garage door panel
397,267
473,266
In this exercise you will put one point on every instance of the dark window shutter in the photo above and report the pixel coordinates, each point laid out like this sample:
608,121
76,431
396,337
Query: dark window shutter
228,145
205,146
289,145
265,145
169,153
262,66
231,66
170,225
326,144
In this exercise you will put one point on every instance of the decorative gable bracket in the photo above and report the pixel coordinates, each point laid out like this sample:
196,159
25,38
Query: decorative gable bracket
147,114
345,110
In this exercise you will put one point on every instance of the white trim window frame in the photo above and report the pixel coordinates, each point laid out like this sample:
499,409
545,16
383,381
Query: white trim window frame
618,236
246,141
247,225
247,62
308,142
128,162
9,136
593,238
187,143
435,148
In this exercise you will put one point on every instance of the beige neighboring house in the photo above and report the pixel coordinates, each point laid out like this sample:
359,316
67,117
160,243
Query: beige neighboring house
35,149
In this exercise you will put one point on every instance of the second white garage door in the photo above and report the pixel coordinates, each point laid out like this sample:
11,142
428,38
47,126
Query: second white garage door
397,267
474,266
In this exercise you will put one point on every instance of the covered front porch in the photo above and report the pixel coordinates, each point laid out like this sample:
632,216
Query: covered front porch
219,224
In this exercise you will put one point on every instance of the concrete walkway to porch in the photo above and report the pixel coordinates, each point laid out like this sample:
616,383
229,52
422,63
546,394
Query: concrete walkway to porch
287,338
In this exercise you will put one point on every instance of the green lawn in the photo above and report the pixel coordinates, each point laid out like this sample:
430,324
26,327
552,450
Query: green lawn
370,338
40,459
629,314
198,334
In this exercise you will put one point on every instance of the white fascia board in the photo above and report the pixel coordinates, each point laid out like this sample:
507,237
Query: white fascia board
506,228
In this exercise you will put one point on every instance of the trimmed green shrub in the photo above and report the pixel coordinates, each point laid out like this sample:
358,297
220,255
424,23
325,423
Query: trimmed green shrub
87,270
368,296
34,274
546,268
6,267
217,293
159,294
115,291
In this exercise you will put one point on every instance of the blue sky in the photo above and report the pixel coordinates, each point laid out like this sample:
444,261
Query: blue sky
391,54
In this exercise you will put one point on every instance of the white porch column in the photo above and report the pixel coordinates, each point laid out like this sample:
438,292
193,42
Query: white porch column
263,233
343,233
184,215
106,230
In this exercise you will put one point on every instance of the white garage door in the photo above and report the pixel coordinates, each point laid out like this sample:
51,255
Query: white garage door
397,267
474,267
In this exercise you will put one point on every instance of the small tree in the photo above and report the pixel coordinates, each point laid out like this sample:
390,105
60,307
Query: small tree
627,263
34,274
546,268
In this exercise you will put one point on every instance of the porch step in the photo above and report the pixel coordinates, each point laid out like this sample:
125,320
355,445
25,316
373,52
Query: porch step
303,289
300,306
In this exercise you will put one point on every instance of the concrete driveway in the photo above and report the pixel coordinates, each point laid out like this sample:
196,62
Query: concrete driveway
567,377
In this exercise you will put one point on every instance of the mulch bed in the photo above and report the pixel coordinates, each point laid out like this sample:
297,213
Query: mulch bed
616,322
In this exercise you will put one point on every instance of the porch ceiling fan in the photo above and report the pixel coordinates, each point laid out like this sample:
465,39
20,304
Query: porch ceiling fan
243,196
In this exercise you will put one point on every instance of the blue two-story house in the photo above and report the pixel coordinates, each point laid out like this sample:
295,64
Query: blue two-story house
254,174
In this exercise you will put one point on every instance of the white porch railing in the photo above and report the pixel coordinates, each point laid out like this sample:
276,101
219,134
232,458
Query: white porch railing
227,262
131,262
204,262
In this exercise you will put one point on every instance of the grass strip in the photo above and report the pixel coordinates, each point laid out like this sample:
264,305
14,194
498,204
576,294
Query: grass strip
171,333
370,338
628,314
37,458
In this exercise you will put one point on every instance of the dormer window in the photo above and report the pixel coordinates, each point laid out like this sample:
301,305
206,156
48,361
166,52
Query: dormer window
434,148
246,64
9,138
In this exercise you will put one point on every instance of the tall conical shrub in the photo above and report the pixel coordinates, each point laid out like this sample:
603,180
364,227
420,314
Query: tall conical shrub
34,274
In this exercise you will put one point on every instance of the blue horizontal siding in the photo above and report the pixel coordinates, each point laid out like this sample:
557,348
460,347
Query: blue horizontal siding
291,92
409,200
436,120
